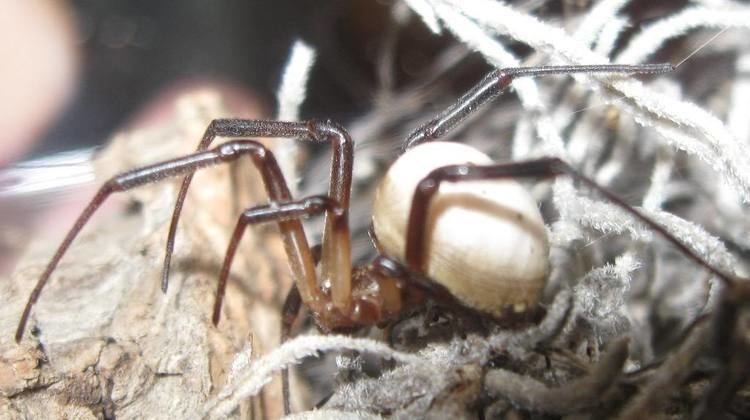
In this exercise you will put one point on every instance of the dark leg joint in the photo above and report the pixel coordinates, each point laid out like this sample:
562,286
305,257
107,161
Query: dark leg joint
389,267
423,134
321,131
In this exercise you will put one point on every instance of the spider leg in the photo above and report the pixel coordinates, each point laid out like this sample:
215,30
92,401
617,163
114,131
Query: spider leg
540,168
722,335
280,213
313,131
289,314
393,268
295,241
492,85
423,286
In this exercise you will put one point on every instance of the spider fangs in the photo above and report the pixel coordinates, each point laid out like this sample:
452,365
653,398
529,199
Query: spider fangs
478,243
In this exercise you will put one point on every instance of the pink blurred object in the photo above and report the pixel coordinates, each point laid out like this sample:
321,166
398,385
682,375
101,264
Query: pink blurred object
38,74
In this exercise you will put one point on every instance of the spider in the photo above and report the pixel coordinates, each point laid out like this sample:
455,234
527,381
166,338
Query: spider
494,263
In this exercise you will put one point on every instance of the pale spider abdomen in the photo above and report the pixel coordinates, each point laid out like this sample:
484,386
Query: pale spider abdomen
486,240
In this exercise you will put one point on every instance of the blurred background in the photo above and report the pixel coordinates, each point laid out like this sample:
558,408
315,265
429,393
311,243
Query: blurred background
111,57
118,55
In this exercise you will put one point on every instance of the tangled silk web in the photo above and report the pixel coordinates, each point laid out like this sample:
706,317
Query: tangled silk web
618,298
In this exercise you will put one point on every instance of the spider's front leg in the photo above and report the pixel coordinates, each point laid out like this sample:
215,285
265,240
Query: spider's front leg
294,237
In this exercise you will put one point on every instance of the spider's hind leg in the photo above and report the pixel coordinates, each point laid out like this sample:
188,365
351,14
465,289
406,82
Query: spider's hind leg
493,85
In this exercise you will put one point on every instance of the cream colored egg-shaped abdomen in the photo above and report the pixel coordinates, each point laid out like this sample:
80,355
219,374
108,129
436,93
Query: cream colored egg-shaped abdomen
486,240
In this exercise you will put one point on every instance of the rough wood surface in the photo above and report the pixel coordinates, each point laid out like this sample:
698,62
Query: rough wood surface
106,342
